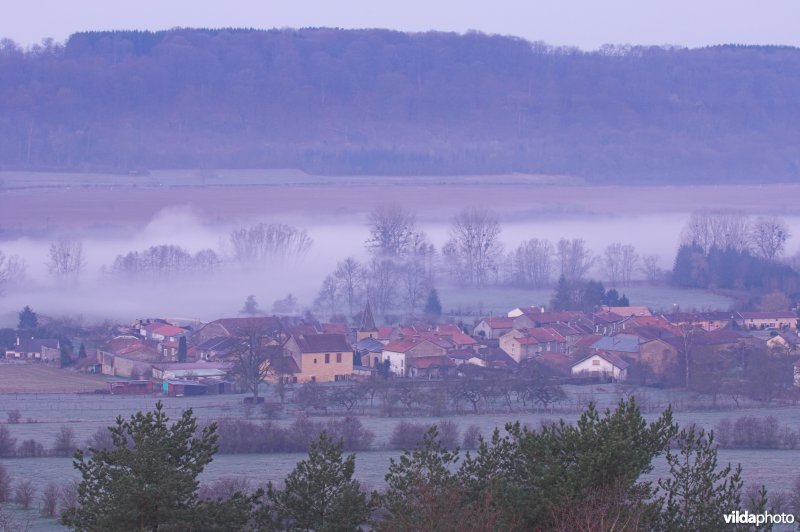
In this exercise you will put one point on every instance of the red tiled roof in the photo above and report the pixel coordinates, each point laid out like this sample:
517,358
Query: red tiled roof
499,322
334,328
168,330
402,345
431,361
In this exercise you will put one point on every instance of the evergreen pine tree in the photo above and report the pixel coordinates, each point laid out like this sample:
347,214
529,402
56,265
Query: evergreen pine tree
147,479
82,351
562,299
319,494
182,349
433,307
697,494
28,320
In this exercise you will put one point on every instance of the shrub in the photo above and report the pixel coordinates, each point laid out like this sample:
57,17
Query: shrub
5,484
407,435
64,444
24,493
68,496
7,443
30,449
301,433
352,432
100,440
49,500
472,437
448,434
14,416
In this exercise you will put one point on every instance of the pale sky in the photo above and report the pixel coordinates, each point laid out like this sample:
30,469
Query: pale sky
587,24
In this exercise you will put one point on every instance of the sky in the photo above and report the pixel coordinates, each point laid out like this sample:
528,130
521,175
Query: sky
587,24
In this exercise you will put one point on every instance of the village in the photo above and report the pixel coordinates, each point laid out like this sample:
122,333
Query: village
611,344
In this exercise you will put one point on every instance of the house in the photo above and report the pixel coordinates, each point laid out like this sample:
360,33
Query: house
608,323
767,320
39,349
520,344
369,349
783,343
162,331
601,364
400,352
709,321
270,326
321,357
619,345
123,366
431,366
493,328
217,348
629,311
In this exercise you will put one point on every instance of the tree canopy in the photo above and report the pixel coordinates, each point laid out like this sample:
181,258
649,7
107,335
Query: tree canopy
385,102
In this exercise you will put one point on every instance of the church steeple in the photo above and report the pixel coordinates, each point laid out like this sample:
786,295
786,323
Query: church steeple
367,328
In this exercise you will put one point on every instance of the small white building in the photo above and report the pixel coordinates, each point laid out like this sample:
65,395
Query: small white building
601,364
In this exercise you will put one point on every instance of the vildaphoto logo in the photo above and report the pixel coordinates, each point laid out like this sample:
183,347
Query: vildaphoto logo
747,518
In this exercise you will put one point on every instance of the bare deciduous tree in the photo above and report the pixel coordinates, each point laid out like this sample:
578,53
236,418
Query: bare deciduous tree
164,261
328,298
619,263
723,229
66,261
13,270
414,284
392,230
253,359
350,274
382,284
574,258
650,268
768,235
474,245
533,263
262,244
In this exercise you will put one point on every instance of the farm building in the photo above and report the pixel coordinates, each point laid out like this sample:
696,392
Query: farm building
181,388
130,387
183,370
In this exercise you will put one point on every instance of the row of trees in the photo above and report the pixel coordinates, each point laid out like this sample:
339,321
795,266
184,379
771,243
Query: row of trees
404,266
764,237
560,477
256,246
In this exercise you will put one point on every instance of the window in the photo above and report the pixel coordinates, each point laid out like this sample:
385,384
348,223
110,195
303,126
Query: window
338,357
315,361
327,358
595,362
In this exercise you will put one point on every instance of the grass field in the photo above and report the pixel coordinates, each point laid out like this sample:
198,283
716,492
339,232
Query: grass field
39,378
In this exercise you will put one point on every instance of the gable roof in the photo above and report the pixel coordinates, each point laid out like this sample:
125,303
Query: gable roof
242,326
427,362
369,344
322,343
608,357
777,315
35,345
498,322
623,343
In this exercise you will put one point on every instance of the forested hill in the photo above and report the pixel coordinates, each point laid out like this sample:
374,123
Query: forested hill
382,102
